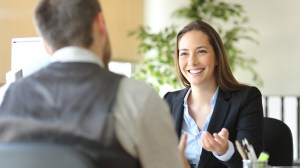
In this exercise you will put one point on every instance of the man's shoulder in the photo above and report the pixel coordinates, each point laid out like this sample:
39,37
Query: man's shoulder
136,92
135,85
19,84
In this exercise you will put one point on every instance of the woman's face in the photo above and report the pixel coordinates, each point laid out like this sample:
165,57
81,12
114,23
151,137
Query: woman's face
197,58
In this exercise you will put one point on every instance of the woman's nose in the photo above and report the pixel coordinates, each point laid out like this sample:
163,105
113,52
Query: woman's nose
192,60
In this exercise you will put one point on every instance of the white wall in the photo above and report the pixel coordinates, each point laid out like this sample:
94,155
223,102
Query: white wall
158,13
278,52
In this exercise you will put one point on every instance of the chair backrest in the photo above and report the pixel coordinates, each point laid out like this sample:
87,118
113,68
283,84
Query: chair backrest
278,142
30,155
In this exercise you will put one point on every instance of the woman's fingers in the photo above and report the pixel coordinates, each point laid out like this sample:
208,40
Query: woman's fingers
218,142
182,143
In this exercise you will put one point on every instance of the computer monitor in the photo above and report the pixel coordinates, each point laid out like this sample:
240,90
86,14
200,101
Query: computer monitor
28,55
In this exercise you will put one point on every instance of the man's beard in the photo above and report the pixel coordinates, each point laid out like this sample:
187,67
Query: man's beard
106,54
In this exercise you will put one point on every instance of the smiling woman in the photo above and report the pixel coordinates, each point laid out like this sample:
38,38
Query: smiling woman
199,34
197,58
214,109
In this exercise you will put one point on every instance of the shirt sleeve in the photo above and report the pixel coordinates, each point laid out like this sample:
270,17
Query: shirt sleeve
228,154
145,128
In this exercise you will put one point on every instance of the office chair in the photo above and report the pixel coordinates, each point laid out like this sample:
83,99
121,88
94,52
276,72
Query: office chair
31,155
278,142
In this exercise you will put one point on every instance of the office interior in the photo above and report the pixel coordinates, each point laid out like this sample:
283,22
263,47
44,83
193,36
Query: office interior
277,53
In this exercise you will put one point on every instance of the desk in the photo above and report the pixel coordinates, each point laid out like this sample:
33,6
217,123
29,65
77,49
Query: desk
283,167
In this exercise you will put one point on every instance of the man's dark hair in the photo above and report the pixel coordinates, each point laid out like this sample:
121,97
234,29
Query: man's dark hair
66,22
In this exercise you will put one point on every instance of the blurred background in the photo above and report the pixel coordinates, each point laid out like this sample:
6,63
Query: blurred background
273,49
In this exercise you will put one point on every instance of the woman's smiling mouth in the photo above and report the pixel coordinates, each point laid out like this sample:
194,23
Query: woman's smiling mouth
195,71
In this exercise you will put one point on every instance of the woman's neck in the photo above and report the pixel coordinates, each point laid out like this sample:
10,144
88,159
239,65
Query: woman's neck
201,94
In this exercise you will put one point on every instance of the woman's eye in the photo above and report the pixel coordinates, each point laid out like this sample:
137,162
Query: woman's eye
202,51
183,54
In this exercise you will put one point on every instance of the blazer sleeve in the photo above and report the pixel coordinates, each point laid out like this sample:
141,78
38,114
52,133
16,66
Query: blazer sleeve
249,122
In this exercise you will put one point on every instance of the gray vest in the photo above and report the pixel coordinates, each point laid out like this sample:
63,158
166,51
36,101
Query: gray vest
70,104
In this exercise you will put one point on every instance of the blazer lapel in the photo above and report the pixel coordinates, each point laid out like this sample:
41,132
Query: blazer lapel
216,123
220,112
177,111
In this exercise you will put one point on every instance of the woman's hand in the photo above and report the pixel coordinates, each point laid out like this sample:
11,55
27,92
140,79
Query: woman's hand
181,146
218,142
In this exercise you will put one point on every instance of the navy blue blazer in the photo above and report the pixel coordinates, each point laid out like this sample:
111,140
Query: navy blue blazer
239,111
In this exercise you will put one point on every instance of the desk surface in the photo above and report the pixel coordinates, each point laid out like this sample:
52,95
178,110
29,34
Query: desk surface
284,167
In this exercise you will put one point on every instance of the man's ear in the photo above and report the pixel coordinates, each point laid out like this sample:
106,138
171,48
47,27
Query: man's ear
100,24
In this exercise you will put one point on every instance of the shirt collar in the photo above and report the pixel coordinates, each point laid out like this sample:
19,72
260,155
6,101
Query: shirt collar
186,97
76,54
212,100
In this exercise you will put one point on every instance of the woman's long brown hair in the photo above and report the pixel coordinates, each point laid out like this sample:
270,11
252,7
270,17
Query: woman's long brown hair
223,74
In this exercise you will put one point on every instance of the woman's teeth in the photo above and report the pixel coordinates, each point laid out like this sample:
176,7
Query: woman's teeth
196,71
